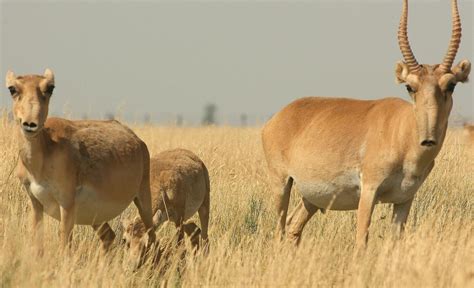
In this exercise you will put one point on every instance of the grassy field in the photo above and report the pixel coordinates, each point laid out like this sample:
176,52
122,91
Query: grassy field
437,250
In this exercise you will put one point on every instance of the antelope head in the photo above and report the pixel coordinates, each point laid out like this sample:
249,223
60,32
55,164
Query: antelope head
135,237
31,96
431,87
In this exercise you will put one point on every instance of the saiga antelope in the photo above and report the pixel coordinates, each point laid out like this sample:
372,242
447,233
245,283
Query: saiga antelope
346,154
468,132
180,187
78,172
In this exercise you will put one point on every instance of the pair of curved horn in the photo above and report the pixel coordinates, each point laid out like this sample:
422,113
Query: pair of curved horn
405,48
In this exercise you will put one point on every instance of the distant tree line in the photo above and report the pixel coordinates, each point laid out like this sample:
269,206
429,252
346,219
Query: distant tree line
209,117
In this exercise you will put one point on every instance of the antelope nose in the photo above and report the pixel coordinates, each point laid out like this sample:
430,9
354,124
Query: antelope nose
428,143
29,126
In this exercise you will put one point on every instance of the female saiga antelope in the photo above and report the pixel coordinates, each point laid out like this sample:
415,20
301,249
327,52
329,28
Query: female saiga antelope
179,188
78,172
346,154
468,132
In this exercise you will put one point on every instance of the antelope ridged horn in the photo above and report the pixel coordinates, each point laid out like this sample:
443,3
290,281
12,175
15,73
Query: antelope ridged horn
455,39
405,48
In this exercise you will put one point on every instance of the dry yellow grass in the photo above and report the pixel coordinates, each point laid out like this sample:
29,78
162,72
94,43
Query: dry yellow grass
437,250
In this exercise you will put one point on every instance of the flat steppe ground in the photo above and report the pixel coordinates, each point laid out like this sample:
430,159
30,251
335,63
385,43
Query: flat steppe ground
436,251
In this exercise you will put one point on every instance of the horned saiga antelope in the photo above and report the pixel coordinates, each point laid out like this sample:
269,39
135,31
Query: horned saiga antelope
346,154
78,172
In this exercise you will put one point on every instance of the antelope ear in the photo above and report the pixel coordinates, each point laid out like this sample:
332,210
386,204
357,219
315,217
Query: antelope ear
401,72
48,74
10,79
462,70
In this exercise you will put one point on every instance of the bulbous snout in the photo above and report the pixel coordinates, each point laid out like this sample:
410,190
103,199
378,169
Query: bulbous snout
29,127
429,118
428,143
31,117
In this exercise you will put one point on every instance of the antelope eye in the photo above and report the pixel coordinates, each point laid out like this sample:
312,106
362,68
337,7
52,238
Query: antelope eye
50,89
451,87
12,90
409,89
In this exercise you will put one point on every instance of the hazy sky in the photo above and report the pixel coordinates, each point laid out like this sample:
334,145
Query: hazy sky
172,57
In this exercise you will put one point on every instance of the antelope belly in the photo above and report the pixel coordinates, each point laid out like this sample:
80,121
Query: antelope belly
339,193
89,208
92,209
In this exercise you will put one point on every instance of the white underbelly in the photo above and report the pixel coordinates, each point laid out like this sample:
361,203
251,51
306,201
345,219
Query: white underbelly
340,193
343,192
89,208
43,194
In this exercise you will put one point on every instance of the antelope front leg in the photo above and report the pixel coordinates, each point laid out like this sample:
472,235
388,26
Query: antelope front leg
67,223
400,216
364,214
37,221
